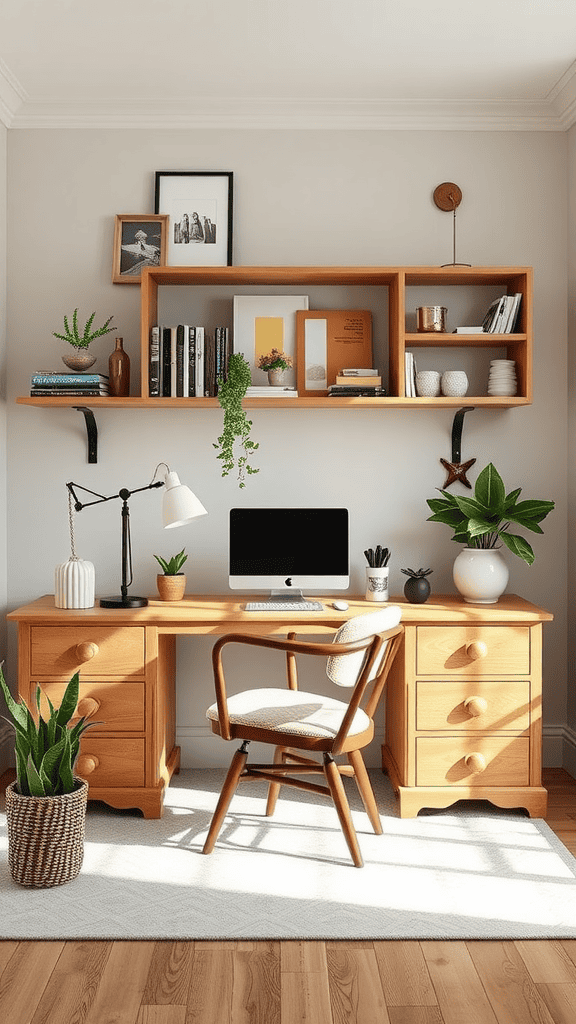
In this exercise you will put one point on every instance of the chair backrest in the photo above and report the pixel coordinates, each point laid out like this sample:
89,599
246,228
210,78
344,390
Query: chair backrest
344,670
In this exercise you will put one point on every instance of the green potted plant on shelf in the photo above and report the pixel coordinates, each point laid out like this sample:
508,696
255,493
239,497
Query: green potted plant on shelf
275,363
171,582
482,523
237,426
81,339
46,805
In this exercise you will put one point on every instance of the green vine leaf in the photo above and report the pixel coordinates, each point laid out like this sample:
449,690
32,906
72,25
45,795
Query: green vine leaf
236,427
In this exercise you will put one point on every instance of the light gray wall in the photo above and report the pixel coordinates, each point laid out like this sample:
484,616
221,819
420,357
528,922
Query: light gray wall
300,198
571,689
4,729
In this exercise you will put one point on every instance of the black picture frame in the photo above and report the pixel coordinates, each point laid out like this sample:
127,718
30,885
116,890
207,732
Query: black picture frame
200,206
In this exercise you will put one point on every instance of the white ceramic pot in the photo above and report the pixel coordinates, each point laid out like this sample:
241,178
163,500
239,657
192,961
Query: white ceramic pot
454,383
480,575
74,584
428,383
377,583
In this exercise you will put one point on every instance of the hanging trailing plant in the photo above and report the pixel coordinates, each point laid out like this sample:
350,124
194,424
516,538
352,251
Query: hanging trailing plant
236,429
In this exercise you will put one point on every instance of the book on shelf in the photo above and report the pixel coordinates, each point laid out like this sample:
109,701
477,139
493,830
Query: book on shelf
38,390
502,314
410,375
374,380
355,371
68,378
267,391
355,391
469,330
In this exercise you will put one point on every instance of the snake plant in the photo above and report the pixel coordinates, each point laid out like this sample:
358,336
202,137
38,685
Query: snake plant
46,749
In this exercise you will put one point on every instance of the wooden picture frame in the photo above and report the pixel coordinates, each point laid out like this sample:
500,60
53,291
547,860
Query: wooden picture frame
199,204
327,341
140,240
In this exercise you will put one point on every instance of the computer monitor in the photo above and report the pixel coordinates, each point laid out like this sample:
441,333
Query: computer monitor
288,550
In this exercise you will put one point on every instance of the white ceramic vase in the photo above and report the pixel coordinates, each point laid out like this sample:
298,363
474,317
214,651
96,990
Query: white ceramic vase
454,383
74,584
480,575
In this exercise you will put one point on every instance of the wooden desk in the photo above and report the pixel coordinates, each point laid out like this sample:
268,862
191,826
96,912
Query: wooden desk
440,746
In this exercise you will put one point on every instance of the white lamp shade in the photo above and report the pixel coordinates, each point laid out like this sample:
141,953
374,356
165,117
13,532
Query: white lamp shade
179,504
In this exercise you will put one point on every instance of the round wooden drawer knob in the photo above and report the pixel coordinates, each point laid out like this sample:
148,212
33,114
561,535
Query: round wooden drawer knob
475,706
86,764
86,650
85,708
475,762
476,649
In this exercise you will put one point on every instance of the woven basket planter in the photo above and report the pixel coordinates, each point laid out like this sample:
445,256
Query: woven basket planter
171,588
46,836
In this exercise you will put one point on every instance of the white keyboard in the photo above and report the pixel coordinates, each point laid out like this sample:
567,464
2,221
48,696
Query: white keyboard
284,606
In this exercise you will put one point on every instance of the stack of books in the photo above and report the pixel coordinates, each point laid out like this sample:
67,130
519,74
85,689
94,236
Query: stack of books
267,391
53,383
357,382
410,372
502,314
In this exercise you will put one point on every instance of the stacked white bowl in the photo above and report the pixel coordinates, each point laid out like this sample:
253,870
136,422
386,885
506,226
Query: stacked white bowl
502,380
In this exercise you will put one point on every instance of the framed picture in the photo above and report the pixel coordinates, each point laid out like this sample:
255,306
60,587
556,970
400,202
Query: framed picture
139,241
264,322
328,341
199,204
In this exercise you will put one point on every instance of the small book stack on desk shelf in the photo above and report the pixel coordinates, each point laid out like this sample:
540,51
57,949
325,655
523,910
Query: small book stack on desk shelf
502,315
357,382
53,383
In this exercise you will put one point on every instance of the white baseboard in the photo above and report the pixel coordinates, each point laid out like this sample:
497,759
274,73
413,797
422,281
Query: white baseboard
201,748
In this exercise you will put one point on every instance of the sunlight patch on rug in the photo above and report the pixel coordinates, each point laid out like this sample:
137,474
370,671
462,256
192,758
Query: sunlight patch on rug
471,871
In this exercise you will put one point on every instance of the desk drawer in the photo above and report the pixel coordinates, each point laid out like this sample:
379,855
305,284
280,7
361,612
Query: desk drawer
472,761
484,705
119,706
110,762
473,650
97,651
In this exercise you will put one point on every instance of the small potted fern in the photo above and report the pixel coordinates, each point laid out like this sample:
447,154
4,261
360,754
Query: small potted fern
80,338
46,805
171,582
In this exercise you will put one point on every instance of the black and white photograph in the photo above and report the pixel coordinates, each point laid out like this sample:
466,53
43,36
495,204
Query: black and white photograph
199,204
139,241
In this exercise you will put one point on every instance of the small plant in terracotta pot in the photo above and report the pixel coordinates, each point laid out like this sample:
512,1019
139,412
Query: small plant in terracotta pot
171,582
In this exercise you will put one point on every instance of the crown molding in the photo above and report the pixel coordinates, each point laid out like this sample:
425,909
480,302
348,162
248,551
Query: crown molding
12,96
556,114
361,115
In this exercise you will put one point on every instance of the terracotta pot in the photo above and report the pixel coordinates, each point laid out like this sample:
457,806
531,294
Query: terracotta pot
171,588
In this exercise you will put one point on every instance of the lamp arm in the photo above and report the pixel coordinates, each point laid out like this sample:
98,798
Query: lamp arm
124,494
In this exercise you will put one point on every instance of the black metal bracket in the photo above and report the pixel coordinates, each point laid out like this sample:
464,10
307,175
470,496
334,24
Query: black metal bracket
91,432
457,432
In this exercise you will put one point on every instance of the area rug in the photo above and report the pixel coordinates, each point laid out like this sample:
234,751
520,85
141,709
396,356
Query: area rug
469,872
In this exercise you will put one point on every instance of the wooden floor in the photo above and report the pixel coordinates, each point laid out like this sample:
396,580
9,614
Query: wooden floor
408,982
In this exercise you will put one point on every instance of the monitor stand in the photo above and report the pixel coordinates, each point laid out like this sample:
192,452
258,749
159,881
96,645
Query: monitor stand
286,595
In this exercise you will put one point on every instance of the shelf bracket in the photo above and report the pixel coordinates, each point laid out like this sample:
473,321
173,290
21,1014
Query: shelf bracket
456,469
91,432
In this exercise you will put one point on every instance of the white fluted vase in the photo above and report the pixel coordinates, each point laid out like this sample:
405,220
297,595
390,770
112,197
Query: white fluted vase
74,584
481,575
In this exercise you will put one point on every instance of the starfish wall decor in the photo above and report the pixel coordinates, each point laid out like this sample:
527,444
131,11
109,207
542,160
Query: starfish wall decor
456,469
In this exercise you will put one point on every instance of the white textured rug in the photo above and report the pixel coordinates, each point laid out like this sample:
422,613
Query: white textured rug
467,872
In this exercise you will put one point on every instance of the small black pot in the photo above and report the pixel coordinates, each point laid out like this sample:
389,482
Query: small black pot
417,589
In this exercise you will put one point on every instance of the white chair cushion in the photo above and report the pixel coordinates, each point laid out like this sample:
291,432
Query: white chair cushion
344,670
294,712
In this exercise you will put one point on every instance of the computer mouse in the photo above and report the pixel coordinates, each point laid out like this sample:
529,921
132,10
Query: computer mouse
340,606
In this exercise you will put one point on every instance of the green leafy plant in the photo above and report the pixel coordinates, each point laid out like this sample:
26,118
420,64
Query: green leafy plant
83,339
172,566
237,426
46,750
275,360
483,520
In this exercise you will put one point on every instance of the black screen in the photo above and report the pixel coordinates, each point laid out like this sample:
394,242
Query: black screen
289,542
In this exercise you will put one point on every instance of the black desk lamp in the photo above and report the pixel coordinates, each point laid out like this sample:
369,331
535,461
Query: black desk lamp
179,506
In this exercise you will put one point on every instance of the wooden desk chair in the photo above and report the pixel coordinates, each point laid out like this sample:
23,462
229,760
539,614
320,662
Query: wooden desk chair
291,718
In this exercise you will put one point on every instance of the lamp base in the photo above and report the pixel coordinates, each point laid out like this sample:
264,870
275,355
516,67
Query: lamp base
123,602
